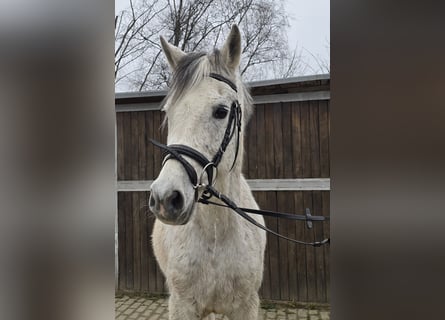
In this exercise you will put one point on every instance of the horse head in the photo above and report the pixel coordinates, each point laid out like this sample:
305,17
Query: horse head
198,110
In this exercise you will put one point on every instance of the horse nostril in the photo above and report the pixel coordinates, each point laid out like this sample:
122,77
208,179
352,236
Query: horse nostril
152,202
176,201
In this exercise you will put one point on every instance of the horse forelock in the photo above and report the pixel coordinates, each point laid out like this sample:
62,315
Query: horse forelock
193,68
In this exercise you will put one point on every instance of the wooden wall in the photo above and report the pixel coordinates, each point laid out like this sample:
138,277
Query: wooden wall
283,141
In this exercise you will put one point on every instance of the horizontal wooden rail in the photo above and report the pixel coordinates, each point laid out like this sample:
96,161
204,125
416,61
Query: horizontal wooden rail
263,99
308,184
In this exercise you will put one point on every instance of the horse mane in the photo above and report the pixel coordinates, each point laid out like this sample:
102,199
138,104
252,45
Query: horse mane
194,67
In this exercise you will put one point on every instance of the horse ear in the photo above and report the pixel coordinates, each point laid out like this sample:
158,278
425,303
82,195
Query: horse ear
231,51
173,54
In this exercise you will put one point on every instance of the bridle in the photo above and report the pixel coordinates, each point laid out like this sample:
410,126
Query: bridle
177,151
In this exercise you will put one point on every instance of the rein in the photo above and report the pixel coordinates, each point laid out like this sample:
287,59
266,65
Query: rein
177,151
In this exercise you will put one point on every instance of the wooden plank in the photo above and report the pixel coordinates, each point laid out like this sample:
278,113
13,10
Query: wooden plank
292,250
307,184
298,165
257,99
274,251
277,141
266,286
137,107
136,242
142,156
296,138
149,148
252,151
324,138
129,241
151,260
300,251
143,215
305,141
120,146
244,150
320,272
290,97
281,264
269,143
288,203
289,184
262,288
271,202
314,139
157,153
310,254
326,249
160,280
281,82
287,141
134,147
122,253
284,205
260,196
127,145
285,200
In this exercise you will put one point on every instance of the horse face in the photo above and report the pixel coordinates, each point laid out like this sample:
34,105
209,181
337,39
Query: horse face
198,120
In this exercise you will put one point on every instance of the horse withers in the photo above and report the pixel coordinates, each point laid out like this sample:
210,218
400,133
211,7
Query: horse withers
212,258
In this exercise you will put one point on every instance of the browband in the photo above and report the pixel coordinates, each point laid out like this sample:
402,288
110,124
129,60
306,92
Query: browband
223,79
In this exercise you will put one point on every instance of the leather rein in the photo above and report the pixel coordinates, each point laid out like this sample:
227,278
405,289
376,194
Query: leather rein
177,151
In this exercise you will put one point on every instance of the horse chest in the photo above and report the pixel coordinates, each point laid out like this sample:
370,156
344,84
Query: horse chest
210,267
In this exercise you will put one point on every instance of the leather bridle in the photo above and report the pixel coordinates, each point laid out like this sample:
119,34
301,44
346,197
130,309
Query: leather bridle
177,151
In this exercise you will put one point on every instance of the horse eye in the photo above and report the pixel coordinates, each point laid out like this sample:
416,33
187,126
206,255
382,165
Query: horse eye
220,112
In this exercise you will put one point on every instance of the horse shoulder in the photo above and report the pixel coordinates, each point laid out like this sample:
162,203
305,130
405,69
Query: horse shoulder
159,245
246,199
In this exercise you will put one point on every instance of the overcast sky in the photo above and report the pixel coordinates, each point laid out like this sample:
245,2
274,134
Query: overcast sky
309,30
310,25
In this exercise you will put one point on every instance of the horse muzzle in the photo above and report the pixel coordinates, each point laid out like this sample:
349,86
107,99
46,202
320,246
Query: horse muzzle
169,206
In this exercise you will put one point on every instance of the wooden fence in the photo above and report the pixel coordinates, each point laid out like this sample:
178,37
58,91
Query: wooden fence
286,164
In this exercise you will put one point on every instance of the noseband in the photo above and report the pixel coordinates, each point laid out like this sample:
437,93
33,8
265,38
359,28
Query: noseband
177,151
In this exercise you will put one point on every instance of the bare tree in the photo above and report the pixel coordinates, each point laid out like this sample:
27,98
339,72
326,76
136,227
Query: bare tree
201,25
130,41
323,65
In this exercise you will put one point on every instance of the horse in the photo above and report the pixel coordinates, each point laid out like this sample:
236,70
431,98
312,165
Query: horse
212,259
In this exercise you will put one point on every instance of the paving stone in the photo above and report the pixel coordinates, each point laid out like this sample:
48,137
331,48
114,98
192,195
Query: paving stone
152,308
324,315
301,313
128,311
292,316
134,315
313,311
